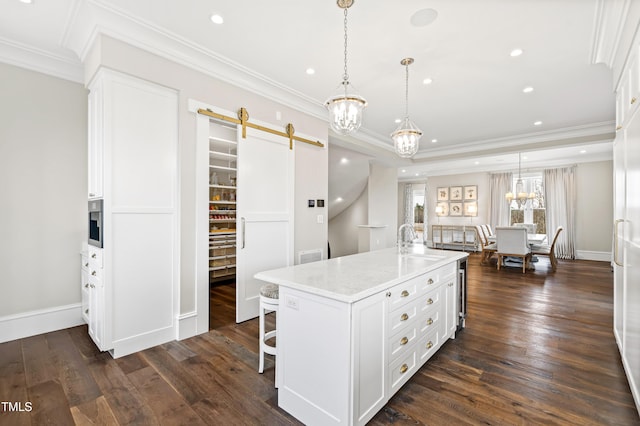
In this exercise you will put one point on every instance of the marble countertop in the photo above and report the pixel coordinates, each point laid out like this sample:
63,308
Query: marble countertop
352,278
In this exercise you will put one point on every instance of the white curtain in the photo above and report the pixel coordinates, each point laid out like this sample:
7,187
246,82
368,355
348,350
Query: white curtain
408,204
560,198
499,210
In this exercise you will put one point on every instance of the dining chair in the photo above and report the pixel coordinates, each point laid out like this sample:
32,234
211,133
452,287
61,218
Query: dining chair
487,248
548,250
530,227
512,242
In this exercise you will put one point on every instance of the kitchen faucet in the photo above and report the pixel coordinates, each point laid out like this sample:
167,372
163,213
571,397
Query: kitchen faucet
403,244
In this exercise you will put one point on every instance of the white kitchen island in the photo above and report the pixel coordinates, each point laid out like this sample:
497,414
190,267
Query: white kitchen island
352,330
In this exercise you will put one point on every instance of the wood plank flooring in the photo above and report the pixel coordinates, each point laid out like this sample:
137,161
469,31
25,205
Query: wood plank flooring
538,349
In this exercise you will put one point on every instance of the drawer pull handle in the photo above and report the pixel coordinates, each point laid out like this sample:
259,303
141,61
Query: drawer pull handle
93,273
93,256
404,341
404,293
450,284
92,286
618,128
633,100
388,294
404,368
86,285
430,281
430,321
430,301
86,311
404,317
86,264
429,344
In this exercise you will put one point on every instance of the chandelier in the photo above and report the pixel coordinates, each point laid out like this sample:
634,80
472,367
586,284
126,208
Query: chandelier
406,138
345,107
521,196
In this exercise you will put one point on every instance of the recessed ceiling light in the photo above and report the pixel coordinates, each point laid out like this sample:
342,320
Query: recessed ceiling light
427,81
537,123
344,160
311,71
423,17
528,89
26,1
516,52
217,19
403,171
476,163
398,120
339,199
417,174
434,140
583,151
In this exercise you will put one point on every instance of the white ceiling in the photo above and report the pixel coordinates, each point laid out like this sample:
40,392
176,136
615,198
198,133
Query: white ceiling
475,107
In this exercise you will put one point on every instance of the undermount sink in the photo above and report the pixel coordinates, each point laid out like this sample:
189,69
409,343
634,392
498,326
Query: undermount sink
430,257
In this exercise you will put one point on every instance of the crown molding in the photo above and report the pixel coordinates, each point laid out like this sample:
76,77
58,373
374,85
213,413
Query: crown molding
32,58
609,20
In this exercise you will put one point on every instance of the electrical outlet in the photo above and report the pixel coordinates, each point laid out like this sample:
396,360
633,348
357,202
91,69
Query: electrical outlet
291,302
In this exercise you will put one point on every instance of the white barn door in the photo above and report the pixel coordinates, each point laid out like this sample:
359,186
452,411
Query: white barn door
264,213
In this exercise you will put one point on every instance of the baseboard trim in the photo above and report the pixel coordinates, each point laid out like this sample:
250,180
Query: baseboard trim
32,323
187,325
602,256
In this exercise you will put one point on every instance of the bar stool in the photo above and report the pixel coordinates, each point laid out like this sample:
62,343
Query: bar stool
268,302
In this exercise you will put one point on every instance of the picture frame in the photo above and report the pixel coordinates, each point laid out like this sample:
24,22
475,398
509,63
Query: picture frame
455,193
442,209
471,192
443,194
455,209
470,208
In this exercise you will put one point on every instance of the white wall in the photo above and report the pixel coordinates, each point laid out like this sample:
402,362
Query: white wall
343,228
383,196
594,214
43,190
192,84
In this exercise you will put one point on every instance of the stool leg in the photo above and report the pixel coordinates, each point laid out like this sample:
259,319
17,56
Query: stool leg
261,366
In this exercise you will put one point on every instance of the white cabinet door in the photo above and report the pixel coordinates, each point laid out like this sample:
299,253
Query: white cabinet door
264,214
619,182
96,141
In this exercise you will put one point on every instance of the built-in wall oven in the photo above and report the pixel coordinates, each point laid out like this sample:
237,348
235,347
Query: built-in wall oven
95,223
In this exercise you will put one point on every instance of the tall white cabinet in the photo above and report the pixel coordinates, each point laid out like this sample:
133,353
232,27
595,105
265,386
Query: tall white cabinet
627,219
131,284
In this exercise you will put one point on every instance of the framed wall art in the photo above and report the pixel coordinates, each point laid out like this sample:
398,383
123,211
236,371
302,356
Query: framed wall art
470,208
443,194
442,208
455,193
471,192
455,209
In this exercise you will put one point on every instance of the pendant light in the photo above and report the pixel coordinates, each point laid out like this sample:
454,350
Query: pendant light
345,107
406,138
520,196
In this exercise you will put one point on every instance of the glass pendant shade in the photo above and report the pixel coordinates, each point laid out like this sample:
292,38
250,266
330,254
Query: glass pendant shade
406,139
345,110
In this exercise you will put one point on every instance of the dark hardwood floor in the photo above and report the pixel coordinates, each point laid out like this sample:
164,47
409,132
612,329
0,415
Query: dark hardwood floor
538,349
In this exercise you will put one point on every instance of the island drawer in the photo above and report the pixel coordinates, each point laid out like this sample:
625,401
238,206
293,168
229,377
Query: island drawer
429,322
402,369
402,317
431,279
403,293
430,302
428,345
402,341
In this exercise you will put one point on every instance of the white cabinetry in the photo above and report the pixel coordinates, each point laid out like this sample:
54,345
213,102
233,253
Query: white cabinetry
133,279
626,157
340,362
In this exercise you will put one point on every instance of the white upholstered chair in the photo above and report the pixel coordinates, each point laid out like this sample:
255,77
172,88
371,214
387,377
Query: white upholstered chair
530,227
512,242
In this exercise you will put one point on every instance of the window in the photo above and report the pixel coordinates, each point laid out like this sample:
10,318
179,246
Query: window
534,209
